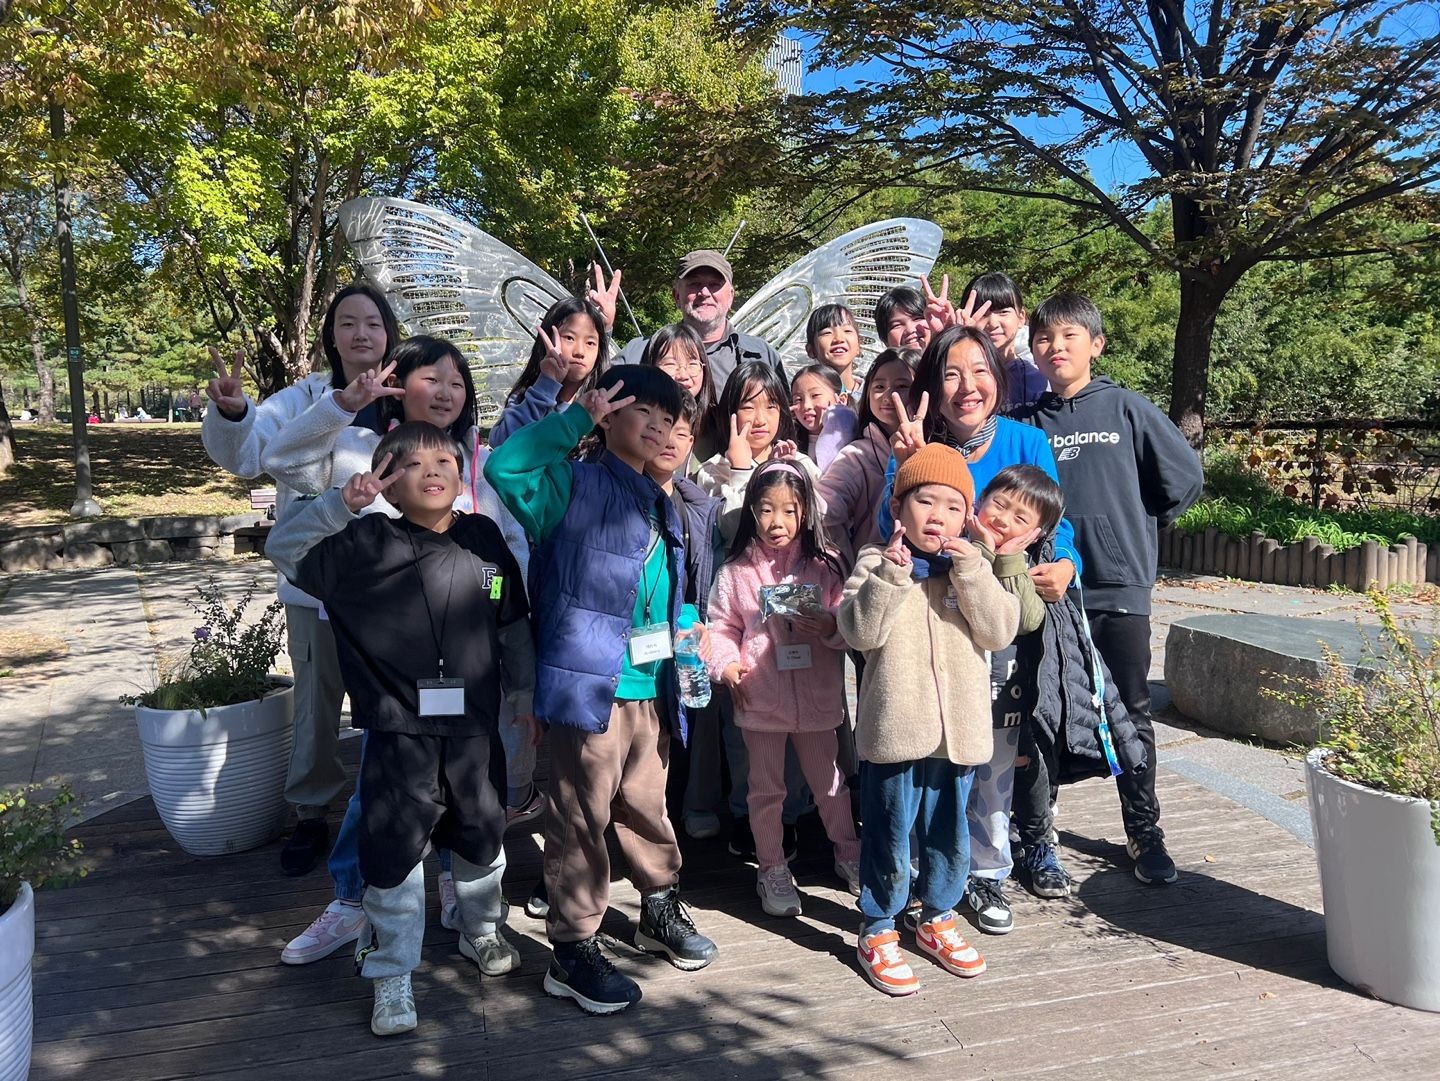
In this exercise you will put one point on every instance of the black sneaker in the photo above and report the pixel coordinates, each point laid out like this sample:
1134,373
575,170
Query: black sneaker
537,905
306,847
742,841
580,971
665,927
1153,865
1040,869
986,898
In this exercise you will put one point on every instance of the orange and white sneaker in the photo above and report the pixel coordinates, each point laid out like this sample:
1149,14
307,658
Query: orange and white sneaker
942,940
884,965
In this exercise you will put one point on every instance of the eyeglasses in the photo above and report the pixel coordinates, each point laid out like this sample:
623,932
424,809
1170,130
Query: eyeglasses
669,365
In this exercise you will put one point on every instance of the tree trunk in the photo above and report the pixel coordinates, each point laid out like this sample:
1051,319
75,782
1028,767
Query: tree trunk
35,330
7,434
1190,377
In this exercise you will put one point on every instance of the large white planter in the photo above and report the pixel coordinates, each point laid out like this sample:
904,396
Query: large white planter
1380,878
17,947
218,776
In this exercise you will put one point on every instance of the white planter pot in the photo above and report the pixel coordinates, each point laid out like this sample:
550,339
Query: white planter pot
1380,878
17,947
218,776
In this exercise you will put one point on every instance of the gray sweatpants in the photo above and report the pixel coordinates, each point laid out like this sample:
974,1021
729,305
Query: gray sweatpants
397,915
316,775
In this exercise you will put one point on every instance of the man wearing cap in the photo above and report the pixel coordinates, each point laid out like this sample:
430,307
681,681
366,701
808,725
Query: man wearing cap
704,291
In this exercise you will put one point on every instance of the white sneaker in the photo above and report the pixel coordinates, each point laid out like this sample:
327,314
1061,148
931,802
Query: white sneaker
849,872
778,895
449,907
493,953
394,1010
339,924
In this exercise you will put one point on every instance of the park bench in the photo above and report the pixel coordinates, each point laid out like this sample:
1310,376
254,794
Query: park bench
251,538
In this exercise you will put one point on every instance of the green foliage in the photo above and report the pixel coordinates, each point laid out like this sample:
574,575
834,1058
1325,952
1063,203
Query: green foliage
33,847
1238,503
1383,722
228,661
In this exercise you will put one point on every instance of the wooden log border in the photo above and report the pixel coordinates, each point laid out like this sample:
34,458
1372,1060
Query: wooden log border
1307,562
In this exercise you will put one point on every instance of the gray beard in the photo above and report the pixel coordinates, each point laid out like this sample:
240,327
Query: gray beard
711,331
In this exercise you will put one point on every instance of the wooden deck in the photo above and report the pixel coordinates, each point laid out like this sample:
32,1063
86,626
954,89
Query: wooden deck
160,965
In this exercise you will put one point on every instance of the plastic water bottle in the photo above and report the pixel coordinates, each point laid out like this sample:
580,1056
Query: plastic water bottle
694,680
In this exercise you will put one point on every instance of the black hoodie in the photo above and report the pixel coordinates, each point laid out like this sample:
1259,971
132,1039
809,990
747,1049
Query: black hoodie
1126,471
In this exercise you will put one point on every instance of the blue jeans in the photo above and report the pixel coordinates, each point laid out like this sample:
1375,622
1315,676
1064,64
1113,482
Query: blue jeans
928,796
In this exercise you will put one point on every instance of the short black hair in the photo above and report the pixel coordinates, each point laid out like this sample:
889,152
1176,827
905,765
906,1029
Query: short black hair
648,386
1036,487
772,386
690,412
905,298
667,336
999,290
327,327
405,439
1067,309
820,371
825,317
424,351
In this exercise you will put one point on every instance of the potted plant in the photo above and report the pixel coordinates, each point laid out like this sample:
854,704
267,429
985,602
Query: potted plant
33,853
216,731
1374,786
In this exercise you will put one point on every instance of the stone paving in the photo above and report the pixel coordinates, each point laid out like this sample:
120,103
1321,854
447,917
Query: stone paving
62,718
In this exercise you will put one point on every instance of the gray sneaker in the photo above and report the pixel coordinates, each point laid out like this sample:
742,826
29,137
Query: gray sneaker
394,1010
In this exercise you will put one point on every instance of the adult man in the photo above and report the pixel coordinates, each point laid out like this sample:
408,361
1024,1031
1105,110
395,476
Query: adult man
704,292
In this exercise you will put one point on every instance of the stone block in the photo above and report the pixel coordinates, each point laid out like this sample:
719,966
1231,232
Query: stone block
188,525
209,540
105,531
231,522
37,553
1218,667
189,553
82,556
143,551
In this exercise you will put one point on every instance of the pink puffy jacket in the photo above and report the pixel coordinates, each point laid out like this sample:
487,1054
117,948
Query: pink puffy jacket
800,700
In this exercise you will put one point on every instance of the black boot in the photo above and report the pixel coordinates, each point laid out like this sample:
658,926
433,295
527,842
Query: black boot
306,847
665,927
581,971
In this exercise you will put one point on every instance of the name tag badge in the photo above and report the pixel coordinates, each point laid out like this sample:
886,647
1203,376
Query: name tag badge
951,600
791,658
441,697
651,643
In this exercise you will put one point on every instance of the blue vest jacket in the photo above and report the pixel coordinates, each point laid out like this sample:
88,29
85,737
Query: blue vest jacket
583,581
702,515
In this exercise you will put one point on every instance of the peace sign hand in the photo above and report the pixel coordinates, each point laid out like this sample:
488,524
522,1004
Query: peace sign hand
910,432
367,387
601,403
361,489
738,453
939,312
226,390
552,363
895,551
970,315
605,296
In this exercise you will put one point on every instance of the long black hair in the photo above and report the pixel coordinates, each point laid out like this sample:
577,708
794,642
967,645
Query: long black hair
560,311
777,473
737,392
424,351
930,377
831,378
690,341
327,328
907,357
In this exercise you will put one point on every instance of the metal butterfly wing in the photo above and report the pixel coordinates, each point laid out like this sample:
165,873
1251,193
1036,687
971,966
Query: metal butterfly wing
444,276
855,269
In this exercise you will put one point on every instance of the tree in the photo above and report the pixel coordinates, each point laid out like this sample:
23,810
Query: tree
1265,127
21,233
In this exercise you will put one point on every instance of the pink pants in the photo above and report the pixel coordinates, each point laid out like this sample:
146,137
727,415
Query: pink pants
816,752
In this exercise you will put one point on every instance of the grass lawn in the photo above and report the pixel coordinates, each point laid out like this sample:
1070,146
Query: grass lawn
138,469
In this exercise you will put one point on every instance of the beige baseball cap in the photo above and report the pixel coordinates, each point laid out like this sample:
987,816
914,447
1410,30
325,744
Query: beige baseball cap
704,259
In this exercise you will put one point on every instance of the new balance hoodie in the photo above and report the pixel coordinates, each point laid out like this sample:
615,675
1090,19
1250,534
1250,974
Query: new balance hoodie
1126,471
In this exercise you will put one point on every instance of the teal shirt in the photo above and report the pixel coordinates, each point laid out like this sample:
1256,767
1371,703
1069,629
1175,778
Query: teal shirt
652,605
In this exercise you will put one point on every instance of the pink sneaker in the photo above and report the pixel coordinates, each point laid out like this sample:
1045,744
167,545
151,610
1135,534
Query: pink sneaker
339,924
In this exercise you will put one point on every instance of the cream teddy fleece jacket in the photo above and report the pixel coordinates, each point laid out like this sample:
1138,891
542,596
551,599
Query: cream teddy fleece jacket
926,691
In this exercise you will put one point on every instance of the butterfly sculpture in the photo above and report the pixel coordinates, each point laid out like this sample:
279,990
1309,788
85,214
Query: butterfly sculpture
446,277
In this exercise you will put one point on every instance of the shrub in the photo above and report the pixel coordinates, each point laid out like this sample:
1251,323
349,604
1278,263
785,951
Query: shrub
1384,722
228,662
33,847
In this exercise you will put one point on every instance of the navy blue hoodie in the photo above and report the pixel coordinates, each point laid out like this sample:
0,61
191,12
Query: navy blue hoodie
1126,471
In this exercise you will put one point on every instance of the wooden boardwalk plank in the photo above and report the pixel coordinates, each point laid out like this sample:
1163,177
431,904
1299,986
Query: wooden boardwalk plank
160,965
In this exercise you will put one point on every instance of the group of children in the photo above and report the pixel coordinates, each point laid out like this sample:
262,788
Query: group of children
483,591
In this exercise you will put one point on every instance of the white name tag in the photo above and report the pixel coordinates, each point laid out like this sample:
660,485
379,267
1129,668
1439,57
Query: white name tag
789,658
441,697
951,600
650,643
